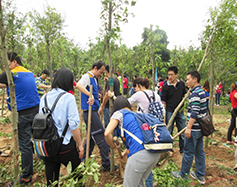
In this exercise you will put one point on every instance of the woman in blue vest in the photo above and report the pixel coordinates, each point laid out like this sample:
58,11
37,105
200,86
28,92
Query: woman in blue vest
140,161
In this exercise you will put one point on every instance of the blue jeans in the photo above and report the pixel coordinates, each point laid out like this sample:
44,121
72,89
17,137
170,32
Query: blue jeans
217,98
106,116
180,123
149,180
25,145
193,147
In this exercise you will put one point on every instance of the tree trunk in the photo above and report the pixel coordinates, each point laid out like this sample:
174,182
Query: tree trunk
207,51
14,114
112,168
152,60
3,98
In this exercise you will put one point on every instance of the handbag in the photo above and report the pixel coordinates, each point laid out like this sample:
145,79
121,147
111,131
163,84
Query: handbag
206,124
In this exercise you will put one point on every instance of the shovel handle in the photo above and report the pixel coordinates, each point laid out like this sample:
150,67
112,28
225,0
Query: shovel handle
180,132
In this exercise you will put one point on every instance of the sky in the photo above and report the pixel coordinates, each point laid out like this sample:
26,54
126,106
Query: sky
182,20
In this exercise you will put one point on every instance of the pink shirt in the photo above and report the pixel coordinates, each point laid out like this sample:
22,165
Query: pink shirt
125,83
233,99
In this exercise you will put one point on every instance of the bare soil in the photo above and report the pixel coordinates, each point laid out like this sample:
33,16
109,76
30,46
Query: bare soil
220,158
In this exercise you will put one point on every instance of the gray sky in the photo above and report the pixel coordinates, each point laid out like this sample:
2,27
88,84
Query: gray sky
182,20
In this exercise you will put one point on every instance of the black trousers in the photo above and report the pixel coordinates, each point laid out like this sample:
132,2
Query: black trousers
232,125
67,153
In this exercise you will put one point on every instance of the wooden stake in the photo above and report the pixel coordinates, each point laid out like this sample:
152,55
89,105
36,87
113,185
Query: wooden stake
180,132
89,127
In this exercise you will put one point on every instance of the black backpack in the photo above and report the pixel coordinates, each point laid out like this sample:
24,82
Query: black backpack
46,140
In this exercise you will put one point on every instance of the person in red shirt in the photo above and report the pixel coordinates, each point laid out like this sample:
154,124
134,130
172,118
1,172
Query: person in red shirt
218,93
233,99
125,85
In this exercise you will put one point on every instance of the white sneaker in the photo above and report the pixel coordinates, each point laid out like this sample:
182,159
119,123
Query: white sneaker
200,179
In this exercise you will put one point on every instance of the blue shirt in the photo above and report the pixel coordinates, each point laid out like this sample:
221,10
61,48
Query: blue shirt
65,110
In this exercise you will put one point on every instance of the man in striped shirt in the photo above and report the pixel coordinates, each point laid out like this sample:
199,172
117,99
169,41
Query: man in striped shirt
193,143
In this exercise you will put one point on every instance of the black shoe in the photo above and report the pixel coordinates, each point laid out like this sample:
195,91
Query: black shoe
107,168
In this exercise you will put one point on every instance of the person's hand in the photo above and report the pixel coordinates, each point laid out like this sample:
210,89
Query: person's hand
123,154
100,111
187,133
110,94
91,100
106,79
81,151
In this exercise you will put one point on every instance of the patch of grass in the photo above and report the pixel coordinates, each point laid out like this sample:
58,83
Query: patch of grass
164,177
5,120
6,134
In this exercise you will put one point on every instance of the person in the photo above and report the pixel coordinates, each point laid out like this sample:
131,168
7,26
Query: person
66,111
132,91
125,85
161,83
233,99
193,144
173,92
218,93
206,89
140,161
41,84
141,85
97,129
27,102
105,103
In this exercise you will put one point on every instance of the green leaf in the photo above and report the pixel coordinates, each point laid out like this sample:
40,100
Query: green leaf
69,167
96,177
133,3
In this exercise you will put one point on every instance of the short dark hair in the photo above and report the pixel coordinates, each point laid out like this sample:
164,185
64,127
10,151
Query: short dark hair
63,79
135,76
142,81
45,71
14,56
98,64
195,74
120,103
107,68
174,69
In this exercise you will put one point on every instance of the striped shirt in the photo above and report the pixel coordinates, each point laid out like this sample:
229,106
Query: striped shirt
197,106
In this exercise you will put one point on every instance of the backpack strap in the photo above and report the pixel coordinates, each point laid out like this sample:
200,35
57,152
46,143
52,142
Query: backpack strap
133,136
65,130
55,102
148,96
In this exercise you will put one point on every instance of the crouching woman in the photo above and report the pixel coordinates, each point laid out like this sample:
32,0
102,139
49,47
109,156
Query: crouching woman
65,112
140,161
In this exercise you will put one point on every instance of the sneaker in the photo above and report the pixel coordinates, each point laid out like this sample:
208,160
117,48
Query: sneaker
22,181
235,168
176,174
200,179
107,168
229,142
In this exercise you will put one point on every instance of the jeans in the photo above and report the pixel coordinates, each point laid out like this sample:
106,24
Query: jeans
217,98
149,180
180,123
106,116
193,147
25,145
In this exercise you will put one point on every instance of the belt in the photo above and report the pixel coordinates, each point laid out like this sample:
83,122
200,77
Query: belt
91,111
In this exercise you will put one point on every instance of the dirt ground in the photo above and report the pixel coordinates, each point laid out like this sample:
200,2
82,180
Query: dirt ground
220,158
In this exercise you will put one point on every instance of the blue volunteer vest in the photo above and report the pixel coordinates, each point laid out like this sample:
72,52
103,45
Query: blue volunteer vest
130,123
84,98
25,89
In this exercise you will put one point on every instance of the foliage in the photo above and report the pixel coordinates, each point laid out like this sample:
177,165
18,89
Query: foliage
164,177
86,170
